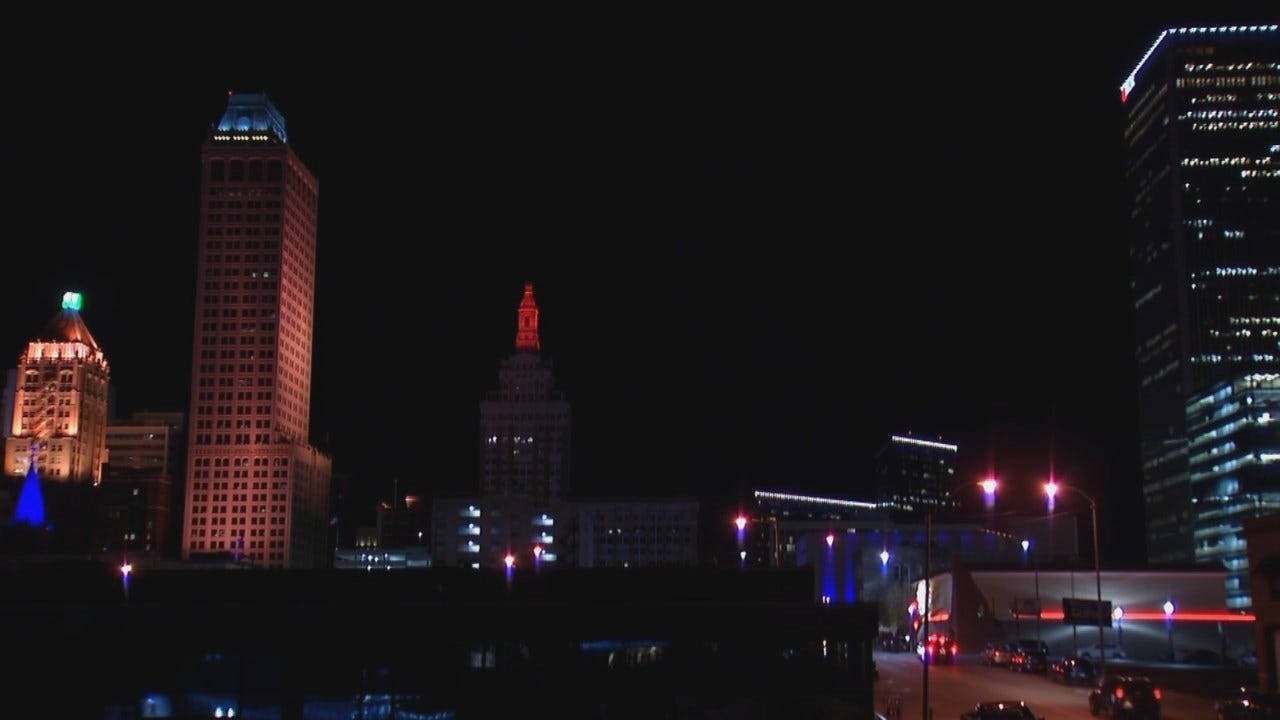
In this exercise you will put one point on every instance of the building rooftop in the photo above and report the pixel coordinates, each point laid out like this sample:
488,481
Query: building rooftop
1188,32
68,326
252,112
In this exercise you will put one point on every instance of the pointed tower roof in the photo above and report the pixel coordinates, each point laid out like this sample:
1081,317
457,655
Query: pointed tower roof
31,500
527,322
67,325
252,112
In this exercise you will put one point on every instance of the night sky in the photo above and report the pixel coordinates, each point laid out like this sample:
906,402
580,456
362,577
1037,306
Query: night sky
758,251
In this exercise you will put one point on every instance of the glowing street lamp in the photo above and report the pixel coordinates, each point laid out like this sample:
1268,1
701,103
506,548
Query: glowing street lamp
989,486
831,539
125,569
742,555
1168,623
884,557
509,560
1051,490
1117,614
1026,545
537,552
741,522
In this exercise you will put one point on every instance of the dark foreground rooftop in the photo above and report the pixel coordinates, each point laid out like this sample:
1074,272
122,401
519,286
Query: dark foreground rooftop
437,643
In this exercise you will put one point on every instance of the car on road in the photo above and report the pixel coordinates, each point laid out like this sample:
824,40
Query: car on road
1029,660
997,654
938,649
1072,669
1033,645
1108,651
1004,710
1249,705
1132,698
893,642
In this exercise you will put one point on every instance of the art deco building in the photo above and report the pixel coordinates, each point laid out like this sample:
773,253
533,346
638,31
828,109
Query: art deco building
255,488
60,402
524,425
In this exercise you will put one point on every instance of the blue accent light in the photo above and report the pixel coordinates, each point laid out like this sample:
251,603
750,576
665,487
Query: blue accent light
31,501
610,645
850,573
248,112
829,573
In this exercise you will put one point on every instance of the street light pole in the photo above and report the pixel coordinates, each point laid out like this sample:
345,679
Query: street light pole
988,486
1097,576
1051,489
928,549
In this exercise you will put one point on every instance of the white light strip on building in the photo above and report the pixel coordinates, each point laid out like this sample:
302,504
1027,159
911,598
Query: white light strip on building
1130,81
766,495
925,443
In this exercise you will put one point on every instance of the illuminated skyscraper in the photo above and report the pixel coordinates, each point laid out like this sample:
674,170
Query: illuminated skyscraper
524,425
60,402
1203,176
255,488
916,474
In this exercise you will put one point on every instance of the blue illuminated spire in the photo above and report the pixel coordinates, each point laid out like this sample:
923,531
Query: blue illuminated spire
31,501
252,112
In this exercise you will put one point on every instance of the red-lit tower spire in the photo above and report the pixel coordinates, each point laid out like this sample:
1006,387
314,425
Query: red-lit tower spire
527,325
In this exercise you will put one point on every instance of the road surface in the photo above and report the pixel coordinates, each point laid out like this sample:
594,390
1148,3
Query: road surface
955,689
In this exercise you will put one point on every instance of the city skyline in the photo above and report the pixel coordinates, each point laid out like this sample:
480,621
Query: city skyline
724,299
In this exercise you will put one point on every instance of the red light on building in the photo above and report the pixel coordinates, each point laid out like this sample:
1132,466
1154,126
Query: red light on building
527,330
1131,615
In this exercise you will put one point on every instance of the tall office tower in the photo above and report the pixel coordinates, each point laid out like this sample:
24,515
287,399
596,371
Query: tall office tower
915,475
255,488
1203,175
137,494
60,402
524,425
1233,437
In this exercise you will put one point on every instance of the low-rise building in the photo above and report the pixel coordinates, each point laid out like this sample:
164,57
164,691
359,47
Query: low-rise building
1155,614
633,532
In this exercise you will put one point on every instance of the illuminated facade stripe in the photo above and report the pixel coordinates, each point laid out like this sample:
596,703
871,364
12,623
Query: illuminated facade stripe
925,443
1127,86
767,495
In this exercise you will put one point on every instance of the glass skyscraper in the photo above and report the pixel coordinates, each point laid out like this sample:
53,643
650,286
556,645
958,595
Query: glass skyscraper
1202,141
1233,434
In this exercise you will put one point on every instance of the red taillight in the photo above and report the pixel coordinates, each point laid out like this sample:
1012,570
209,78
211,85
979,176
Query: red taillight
1119,693
1157,693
